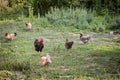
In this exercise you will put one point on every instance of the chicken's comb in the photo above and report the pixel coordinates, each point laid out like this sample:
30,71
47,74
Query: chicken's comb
42,40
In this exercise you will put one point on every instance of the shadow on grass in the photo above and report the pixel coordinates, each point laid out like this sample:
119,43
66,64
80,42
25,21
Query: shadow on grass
109,61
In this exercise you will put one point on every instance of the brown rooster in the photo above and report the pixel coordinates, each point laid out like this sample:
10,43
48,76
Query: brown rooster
45,60
84,39
68,44
10,36
28,26
39,44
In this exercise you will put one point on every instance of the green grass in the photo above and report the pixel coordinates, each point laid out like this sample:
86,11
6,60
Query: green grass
97,60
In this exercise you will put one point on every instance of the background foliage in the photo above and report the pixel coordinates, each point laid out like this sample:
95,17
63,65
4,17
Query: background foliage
43,6
57,20
81,14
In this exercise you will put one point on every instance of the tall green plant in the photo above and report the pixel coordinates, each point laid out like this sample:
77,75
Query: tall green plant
79,18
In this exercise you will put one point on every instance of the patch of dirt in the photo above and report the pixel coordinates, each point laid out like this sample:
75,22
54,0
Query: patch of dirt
79,42
67,76
19,75
52,68
64,69
88,58
47,40
74,34
90,65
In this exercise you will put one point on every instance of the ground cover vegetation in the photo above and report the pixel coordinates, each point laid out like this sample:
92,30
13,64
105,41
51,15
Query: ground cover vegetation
57,20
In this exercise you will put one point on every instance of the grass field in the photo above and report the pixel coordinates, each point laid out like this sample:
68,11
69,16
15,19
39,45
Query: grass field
97,60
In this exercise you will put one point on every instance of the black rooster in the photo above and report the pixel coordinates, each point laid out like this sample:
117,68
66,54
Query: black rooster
39,45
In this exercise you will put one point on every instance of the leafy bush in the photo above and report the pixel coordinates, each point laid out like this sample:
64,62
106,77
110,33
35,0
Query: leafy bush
79,18
115,24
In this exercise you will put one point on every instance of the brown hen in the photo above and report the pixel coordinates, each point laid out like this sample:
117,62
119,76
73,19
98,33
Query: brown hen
68,44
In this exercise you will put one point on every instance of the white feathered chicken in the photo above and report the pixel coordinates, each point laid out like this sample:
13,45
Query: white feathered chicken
84,39
45,60
28,26
9,36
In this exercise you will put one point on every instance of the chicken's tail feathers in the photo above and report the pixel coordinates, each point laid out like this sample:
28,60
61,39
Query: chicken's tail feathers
48,55
36,40
49,58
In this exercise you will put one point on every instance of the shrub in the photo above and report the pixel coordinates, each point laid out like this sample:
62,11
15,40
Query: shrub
115,24
79,18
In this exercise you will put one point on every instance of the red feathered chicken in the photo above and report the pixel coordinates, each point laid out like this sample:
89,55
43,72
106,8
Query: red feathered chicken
39,44
45,60
10,36
84,39
68,44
